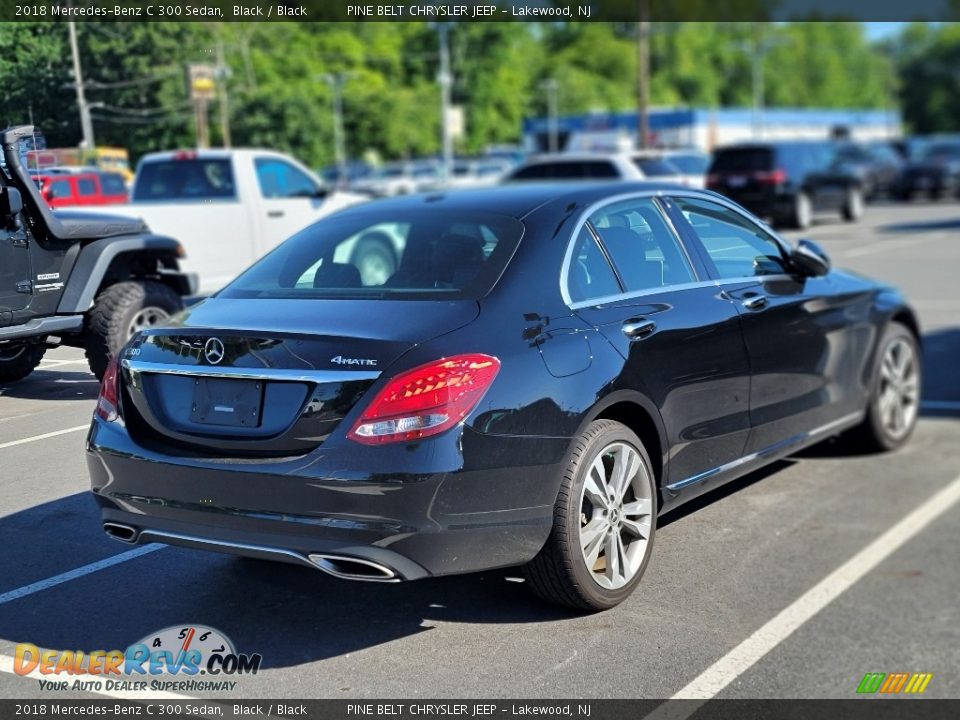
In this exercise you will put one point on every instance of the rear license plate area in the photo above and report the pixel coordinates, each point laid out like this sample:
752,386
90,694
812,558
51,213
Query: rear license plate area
226,402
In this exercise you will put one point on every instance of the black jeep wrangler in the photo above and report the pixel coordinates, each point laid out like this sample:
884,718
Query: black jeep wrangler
78,279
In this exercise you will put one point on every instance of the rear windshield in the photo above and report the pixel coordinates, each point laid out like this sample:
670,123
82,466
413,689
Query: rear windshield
567,170
655,167
742,160
947,151
401,254
188,179
690,164
112,184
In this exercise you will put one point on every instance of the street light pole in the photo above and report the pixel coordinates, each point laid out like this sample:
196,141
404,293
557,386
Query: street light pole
336,83
445,78
86,124
643,74
550,86
223,74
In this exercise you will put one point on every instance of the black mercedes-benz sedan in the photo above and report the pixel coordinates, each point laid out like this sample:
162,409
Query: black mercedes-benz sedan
541,373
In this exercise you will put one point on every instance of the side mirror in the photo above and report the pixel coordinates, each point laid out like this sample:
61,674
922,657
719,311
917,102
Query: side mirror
11,204
810,259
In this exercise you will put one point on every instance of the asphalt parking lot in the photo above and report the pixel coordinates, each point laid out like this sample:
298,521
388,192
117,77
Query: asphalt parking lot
742,597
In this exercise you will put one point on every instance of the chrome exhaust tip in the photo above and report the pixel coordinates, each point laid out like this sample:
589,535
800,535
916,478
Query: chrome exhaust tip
350,568
123,533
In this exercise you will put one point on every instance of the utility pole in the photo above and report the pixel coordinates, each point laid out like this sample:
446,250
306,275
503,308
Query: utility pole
223,74
445,78
643,74
86,124
550,86
336,83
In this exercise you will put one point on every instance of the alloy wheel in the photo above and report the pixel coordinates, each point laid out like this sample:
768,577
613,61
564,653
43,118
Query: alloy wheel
615,515
145,318
899,391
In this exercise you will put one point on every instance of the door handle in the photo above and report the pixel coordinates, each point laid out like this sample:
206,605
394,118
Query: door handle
275,214
755,302
635,329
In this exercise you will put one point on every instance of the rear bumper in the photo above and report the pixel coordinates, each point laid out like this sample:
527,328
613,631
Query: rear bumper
491,506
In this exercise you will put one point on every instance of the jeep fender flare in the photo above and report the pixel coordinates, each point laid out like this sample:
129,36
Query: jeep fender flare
94,263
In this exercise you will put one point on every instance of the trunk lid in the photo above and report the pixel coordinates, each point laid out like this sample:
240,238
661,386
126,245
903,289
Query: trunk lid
268,377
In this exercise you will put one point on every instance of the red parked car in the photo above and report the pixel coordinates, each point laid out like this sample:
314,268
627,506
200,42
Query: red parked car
82,188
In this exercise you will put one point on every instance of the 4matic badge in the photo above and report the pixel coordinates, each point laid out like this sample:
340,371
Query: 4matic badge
340,360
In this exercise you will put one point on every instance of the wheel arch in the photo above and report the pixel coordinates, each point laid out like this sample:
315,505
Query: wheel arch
110,260
639,414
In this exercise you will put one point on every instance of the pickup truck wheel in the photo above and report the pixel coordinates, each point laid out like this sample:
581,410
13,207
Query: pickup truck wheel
852,209
18,361
375,259
603,522
119,312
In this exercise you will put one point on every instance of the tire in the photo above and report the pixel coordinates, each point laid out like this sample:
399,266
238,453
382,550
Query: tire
560,573
897,379
374,258
18,361
121,310
852,209
802,216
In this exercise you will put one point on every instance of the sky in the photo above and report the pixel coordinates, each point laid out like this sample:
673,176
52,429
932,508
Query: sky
881,30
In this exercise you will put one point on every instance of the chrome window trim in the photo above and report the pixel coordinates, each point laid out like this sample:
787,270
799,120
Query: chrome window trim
608,299
582,221
137,367
710,196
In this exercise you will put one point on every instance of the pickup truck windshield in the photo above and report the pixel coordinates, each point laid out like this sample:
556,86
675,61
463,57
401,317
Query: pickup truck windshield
184,179
398,254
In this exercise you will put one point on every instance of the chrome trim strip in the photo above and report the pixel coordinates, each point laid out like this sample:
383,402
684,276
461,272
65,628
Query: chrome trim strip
754,279
159,535
829,427
288,374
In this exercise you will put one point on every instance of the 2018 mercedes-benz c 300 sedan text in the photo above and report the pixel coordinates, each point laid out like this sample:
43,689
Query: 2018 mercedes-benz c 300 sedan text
531,377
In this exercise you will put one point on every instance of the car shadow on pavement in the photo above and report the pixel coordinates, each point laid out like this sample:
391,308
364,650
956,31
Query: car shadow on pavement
289,614
918,227
53,384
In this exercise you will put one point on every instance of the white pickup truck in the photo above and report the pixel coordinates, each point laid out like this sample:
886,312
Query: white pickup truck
228,207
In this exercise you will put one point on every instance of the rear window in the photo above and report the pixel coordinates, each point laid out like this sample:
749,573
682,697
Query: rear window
655,167
112,184
188,179
690,164
742,160
567,170
399,254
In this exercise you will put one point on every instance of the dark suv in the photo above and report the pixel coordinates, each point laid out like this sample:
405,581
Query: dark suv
786,181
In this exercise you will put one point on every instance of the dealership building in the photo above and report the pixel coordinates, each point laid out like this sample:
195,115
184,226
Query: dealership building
707,128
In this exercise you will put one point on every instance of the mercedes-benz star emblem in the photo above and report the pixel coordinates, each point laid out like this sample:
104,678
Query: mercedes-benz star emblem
213,350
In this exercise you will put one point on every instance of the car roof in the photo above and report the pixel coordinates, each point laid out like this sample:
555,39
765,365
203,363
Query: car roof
516,200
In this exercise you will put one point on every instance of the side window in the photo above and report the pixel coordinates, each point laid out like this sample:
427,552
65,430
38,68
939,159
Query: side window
60,189
590,276
86,187
643,248
600,169
737,246
279,179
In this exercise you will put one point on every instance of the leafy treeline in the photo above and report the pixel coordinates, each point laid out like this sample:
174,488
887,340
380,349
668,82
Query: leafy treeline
278,96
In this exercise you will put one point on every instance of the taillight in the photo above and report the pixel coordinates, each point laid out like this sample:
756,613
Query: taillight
713,179
772,177
426,401
109,400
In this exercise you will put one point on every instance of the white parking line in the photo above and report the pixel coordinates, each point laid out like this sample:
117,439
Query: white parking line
741,658
6,666
44,436
50,582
